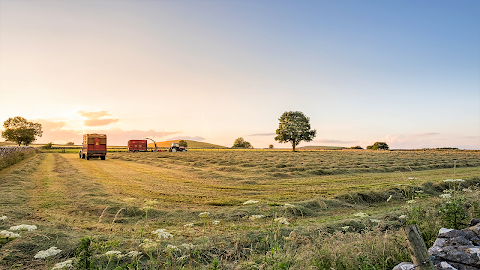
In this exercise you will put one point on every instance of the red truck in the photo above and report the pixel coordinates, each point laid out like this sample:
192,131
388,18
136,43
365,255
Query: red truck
94,145
137,146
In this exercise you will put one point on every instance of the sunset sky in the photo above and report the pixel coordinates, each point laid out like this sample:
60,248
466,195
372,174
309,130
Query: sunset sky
406,72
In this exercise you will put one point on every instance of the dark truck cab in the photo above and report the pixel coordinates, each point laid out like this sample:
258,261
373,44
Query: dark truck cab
94,145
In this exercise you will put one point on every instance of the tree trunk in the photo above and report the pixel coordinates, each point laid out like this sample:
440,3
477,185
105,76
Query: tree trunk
293,146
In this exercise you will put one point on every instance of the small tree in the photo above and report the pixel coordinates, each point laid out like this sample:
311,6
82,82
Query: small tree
241,143
19,130
183,143
356,147
378,146
270,146
294,127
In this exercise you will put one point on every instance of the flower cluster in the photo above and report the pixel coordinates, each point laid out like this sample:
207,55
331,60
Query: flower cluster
345,228
361,214
282,220
162,233
148,244
9,234
3,217
454,180
23,227
172,248
42,254
287,205
250,202
188,246
411,201
253,217
188,225
403,217
204,214
446,195
133,253
61,265
374,220
215,222
412,178
113,253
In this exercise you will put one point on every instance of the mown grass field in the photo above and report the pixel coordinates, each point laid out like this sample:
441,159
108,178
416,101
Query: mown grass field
121,200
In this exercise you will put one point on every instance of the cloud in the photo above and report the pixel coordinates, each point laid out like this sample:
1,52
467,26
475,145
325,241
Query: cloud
99,122
329,141
195,138
263,134
94,115
426,134
50,125
96,119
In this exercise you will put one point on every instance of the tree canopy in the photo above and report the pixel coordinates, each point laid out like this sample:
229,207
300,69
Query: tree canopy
294,127
241,143
378,146
183,143
19,130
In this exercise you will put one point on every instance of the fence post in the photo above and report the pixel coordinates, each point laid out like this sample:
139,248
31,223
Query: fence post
418,249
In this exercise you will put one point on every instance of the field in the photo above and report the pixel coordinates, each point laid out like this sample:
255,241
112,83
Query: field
119,202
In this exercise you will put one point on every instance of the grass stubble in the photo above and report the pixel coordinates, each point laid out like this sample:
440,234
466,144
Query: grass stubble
119,202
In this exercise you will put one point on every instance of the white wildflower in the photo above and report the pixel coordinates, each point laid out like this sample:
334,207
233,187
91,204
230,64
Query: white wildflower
187,246
403,217
162,233
446,195
412,178
204,214
389,198
287,205
282,220
3,217
459,180
148,244
375,220
410,201
345,228
23,227
250,202
172,248
253,217
113,252
419,191
9,234
453,180
133,253
62,265
215,222
188,225
467,190
42,254
361,214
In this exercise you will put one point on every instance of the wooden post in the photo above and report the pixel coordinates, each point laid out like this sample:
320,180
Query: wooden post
418,249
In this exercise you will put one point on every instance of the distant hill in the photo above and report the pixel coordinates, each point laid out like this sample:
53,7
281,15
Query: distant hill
191,144
320,147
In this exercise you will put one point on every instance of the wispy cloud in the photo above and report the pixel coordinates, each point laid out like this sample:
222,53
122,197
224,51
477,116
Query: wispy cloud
328,141
96,119
263,134
426,134
194,138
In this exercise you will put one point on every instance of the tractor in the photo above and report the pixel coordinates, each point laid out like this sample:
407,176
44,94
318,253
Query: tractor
175,147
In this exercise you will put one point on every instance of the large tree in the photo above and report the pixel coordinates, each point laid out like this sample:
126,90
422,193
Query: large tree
241,143
378,146
19,130
183,143
294,127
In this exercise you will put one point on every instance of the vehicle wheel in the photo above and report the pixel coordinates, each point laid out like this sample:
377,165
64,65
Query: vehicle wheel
102,158
174,150
87,157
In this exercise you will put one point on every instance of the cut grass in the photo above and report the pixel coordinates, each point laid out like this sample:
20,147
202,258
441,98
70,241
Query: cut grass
129,195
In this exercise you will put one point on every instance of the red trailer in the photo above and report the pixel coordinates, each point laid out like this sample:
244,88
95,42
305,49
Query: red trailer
137,145
94,145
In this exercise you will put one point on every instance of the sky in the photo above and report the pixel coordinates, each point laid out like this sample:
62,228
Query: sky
405,72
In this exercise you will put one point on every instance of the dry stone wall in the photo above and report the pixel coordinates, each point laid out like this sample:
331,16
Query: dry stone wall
6,150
